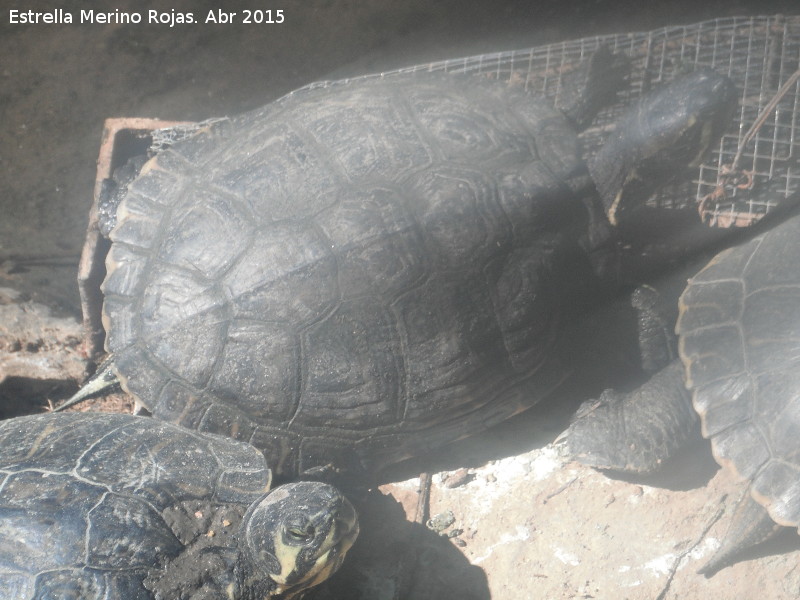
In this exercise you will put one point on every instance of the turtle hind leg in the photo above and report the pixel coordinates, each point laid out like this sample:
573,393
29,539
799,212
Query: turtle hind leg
637,431
750,525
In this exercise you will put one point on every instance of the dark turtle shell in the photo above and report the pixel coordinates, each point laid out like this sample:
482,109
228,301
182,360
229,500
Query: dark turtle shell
740,343
739,370
352,274
365,271
117,507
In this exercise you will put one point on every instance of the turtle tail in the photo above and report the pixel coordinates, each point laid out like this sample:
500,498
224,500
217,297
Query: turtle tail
750,525
104,380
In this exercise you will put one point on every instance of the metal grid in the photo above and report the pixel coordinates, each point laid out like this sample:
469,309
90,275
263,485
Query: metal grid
758,53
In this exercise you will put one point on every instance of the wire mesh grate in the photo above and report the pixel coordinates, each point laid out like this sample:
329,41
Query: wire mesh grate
758,53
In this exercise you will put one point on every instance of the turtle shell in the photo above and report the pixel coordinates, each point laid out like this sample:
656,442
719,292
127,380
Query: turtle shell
353,274
740,343
90,505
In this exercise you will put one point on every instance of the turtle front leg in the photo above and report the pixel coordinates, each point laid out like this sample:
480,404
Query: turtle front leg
635,431
638,431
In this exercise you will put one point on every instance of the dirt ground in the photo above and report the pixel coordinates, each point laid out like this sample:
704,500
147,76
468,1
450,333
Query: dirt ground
526,522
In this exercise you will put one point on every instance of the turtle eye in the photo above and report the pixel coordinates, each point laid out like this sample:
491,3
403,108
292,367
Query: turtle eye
300,533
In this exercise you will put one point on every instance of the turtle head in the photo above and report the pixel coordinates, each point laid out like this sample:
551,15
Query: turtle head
667,131
294,538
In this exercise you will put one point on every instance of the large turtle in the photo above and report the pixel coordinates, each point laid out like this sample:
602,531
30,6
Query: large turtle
363,271
118,507
739,369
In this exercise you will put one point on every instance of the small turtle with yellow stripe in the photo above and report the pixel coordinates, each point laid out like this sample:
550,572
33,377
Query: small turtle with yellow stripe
118,507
